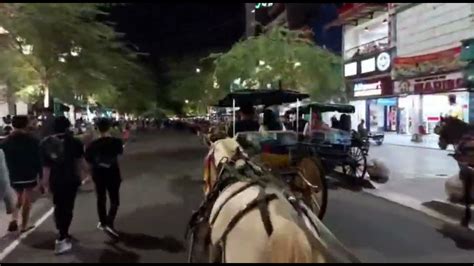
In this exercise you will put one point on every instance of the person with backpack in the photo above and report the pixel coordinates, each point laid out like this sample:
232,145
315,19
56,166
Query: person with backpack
63,168
102,155
22,156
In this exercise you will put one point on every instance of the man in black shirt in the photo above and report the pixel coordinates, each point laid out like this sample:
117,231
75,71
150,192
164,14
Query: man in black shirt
63,167
23,161
102,154
247,121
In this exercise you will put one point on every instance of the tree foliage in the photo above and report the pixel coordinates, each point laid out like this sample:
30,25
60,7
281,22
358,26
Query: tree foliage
280,55
67,50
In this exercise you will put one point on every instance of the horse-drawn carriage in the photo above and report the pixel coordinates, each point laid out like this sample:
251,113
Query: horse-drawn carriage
340,145
282,152
265,195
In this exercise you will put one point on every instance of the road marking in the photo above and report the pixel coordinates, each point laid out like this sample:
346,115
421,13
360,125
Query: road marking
17,241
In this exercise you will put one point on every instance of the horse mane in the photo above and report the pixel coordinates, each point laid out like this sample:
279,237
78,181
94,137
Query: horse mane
455,129
459,124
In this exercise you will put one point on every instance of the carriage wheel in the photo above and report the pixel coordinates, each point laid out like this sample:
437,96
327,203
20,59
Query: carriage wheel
312,171
357,166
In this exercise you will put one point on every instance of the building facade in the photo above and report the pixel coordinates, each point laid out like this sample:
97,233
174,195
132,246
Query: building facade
427,69
401,62
367,54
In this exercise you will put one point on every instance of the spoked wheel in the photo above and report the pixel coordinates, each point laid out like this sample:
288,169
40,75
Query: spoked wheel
311,170
357,166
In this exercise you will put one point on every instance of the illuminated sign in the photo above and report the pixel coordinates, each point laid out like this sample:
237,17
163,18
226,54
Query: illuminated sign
350,69
432,84
367,65
262,5
369,89
383,61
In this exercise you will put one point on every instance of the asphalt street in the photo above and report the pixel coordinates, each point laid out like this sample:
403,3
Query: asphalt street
162,185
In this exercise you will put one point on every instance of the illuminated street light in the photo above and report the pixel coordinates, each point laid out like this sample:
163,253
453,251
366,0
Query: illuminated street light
3,30
27,49
261,62
186,101
198,70
75,51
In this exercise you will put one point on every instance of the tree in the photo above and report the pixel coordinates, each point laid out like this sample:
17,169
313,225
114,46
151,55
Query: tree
280,55
72,52
187,84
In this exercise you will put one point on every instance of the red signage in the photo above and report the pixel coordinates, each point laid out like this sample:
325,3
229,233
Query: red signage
383,86
438,85
439,62
431,84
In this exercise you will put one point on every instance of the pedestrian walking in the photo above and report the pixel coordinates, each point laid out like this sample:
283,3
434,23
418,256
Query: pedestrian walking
102,155
23,161
63,168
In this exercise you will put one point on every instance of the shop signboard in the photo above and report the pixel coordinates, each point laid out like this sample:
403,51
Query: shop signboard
367,89
422,65
430,84
367,66
373,87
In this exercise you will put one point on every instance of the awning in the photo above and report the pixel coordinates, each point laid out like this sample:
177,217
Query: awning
357,11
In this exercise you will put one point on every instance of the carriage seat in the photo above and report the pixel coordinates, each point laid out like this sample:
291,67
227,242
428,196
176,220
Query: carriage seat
272,147
332,136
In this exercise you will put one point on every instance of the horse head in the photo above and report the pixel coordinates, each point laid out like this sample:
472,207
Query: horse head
216,133
450,131
221,151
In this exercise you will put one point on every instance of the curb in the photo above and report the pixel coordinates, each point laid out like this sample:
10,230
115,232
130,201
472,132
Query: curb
419,147
416,205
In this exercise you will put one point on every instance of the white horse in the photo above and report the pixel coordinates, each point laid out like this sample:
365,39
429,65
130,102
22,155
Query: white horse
274,233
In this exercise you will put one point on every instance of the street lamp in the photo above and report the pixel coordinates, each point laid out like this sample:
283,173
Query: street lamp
198,70
186,101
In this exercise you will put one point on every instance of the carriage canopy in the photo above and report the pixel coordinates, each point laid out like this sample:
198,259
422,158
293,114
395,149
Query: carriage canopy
325,107
266,97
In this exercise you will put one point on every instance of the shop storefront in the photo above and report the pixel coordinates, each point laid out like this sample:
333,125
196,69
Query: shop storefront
425,99
374,102
372,88
423,95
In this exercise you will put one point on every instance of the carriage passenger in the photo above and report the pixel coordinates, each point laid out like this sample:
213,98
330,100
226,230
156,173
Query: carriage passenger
270,121
317,124
247,121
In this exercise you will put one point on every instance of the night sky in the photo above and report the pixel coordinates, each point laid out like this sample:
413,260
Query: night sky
180,29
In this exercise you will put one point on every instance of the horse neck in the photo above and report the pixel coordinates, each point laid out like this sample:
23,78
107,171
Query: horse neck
463,130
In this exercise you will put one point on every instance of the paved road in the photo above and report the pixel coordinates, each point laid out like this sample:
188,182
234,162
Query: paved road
417,173
161,187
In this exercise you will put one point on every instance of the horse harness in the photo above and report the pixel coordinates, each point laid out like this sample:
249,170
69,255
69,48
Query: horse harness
229,174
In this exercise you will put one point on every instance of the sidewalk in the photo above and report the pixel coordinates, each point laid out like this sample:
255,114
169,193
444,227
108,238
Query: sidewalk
417,179
429,141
